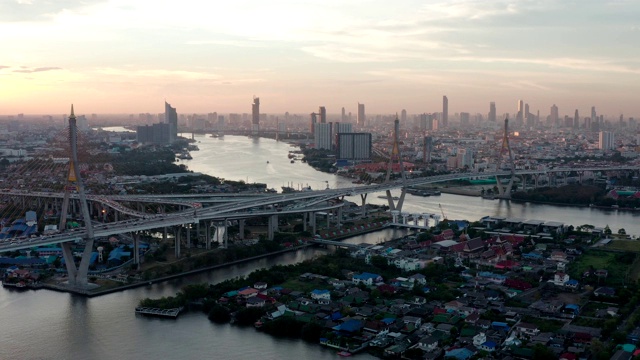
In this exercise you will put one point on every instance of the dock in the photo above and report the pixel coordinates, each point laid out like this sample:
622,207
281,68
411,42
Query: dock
169,313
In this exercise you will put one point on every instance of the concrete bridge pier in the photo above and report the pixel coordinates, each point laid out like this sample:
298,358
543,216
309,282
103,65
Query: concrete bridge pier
188,227
536,177
226,233
272,227
405,218
426,220
305,219
177,241
416,219
394,216
339,218
363,197
313,222
207,235
67,254
136,249
164,234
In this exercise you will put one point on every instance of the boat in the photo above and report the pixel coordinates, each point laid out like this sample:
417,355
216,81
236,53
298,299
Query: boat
293,161
344,353
267,161
185,156
258,324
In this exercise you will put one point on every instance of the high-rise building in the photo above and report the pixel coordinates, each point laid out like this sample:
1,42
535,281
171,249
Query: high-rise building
361,119
403,116
464,118
354,146
312,122
606,140
464,158
323,135
445,111
171,117
343,118
520,113
554,115
576,120
322,111
594,116
255,115
427,149
492,111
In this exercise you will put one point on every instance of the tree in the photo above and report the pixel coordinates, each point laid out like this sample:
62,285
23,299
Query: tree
622,231
607,230
413,353
219,314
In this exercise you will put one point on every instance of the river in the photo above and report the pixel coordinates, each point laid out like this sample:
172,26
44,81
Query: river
45,324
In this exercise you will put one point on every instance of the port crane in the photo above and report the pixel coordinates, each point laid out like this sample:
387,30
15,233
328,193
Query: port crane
444,217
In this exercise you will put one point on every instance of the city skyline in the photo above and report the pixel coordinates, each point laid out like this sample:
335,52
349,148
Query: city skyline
113,56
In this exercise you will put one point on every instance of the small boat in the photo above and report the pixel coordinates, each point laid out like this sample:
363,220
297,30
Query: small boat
258,324
344,353
267,161
293,161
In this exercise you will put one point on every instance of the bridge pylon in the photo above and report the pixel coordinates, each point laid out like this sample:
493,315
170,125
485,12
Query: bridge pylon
396,155
505,193
77,276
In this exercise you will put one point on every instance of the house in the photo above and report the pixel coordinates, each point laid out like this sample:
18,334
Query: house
479,339
459,353
248,293
260,285
558,256
412,320
321,295
560,278
418,278
366,278
527,329
489,346
255,301
428,343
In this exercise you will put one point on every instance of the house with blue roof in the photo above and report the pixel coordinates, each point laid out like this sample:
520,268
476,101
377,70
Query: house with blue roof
366,278
489,346
459,353
321,295
532,256
349,327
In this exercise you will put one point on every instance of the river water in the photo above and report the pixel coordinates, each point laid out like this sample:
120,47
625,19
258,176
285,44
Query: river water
45,324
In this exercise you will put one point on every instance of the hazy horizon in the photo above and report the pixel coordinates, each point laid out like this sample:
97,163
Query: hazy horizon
122,57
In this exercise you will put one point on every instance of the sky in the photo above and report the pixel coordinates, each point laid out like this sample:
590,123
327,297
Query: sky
123,56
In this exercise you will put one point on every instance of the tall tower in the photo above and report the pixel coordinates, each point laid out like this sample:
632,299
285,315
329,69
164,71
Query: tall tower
445,111
594,117
403,116
255,116
361,119
77,276
171,117
343,117
505,149
396,155
576,120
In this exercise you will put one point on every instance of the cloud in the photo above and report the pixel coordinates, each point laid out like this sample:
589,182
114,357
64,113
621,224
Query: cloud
24,69
237,43
39,10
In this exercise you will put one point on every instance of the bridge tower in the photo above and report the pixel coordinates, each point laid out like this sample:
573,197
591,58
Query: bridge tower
396,155
505,149
77,276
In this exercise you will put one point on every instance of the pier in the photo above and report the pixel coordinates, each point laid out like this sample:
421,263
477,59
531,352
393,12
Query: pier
169,313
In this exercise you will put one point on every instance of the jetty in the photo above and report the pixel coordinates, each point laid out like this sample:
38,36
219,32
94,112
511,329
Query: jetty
169,313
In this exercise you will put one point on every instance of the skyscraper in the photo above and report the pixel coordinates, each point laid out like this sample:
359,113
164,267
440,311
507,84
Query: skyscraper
520,113
576,120
323,135
171,117
594,118
343,118
445,111
255,115
322,111
403,116
464,118
492,111
361,119
554,115
312,121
